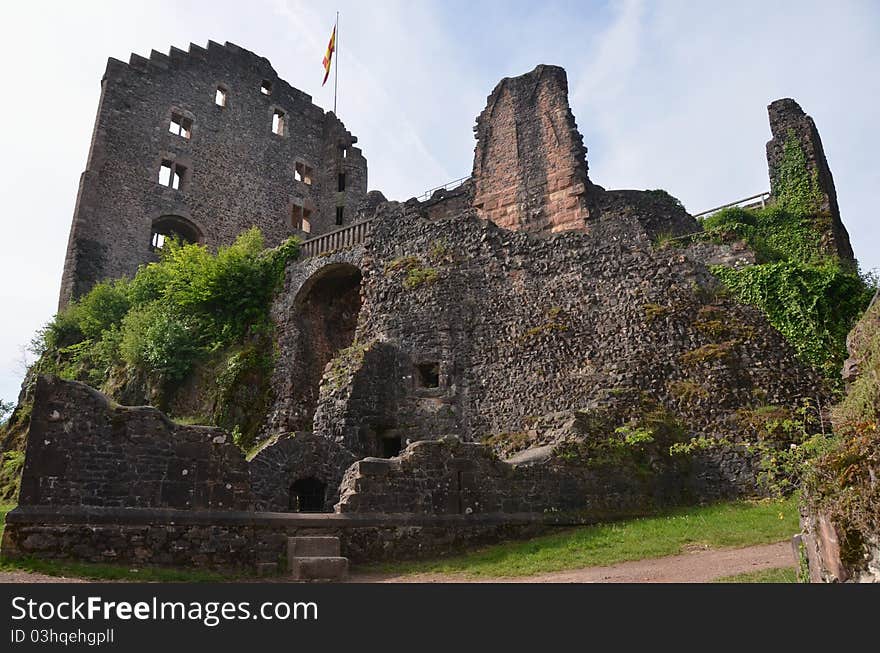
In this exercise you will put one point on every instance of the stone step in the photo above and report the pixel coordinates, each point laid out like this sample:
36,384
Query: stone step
315,546
326,568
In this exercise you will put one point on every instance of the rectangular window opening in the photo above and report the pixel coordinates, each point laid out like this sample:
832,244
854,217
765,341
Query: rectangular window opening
220,97
180,125
158,240
303,173
165,173
428,375
172,175
300,218
278,122
266,87
340,215
341,184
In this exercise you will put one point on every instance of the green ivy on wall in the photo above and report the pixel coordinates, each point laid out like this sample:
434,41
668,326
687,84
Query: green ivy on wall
809,295
797,190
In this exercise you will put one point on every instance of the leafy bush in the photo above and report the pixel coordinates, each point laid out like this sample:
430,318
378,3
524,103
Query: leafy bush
644,445
787,441
171,314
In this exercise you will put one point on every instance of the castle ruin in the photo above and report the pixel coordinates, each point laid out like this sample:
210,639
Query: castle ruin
459,406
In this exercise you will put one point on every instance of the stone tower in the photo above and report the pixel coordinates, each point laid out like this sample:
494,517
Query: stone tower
203,145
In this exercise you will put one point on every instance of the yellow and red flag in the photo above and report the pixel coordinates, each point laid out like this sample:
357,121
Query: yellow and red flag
328,58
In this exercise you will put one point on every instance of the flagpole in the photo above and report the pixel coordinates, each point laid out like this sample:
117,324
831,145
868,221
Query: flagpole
336,71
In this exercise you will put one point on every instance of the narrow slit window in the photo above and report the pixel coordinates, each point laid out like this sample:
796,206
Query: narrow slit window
300,217
180,126
340,215
278,122
266,87
343,151
303,173
341,185
220,97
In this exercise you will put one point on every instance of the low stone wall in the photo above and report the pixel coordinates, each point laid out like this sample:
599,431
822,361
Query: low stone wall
248,540
448,476
84,450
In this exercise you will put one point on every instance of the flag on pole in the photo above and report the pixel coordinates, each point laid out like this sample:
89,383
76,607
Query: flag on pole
331,47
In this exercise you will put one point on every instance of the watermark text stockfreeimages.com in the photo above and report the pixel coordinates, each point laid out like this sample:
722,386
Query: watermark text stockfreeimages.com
208,613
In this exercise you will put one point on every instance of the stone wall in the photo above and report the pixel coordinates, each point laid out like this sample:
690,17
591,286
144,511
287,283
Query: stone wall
448,476
530,170
238,172
519,326
788,120
308,339
82,450
658,213
248,541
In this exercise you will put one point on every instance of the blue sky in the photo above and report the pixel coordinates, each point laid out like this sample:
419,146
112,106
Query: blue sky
668,95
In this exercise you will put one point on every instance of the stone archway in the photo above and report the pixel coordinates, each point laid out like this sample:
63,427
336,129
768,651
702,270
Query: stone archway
327,308
307,495
315,317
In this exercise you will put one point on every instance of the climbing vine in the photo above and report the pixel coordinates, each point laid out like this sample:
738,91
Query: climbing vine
813,306
796,189
807,293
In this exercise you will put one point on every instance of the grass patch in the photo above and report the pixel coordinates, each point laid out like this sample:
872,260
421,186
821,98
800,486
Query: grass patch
103,571
774,575
721,525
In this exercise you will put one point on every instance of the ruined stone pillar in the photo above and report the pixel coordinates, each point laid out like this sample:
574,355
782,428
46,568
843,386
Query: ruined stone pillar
530,168
792,128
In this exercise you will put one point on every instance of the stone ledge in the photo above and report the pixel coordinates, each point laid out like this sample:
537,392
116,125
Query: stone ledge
43,515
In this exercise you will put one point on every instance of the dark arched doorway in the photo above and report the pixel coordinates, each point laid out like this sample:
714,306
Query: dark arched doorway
327,309
307,495
173,226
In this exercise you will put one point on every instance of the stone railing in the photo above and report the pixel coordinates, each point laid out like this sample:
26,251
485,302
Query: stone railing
353,234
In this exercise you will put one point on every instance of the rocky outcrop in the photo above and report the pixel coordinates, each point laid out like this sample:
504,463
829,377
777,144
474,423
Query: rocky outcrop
840,508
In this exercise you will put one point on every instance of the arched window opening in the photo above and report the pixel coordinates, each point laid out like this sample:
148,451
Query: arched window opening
173,226
307,495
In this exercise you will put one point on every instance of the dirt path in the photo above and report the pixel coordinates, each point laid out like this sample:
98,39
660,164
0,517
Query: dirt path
692,567
33,577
